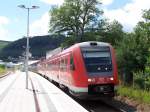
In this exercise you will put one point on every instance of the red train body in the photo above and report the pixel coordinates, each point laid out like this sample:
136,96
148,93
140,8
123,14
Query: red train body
87,69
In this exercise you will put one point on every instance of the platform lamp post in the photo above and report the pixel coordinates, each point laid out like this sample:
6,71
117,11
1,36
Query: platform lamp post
27,46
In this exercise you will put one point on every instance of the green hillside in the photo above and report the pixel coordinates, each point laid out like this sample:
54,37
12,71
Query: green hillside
38,46
3,44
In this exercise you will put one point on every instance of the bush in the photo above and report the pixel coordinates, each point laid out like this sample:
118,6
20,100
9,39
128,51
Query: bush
2,69
136,94
142,80
2,66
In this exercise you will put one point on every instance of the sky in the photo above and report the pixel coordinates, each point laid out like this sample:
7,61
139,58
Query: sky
13,20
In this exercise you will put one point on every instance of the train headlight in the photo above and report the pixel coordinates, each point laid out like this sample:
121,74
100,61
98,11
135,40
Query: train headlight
91,80
111,78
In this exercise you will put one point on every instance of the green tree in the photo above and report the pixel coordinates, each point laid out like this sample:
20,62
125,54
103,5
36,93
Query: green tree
74,17
111,32
143,27
125,58
133,51
142,32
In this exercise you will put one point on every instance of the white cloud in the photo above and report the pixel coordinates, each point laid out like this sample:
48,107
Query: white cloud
53,2
130,14
3,31
40,27
60,2
3,20
106,2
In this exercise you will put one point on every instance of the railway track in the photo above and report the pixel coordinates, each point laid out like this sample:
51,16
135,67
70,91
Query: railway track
97,106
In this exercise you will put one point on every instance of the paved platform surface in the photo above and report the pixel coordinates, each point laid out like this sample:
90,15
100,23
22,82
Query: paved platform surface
41,95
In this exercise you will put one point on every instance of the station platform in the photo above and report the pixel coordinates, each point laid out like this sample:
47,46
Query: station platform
41,95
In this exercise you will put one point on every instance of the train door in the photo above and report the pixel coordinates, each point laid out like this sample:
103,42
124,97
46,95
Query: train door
71,69
64,69
61,72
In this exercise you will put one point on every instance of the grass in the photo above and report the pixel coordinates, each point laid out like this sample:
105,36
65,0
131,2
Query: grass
2,70
136,94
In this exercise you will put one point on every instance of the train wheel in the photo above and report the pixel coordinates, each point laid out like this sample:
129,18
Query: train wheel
44,76
51,80
64,88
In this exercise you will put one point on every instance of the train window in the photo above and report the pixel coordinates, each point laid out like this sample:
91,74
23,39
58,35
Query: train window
96,54
57,65
97,57
66,64
97,60
72,67
62,65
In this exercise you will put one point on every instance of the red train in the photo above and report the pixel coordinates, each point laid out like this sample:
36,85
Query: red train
86,69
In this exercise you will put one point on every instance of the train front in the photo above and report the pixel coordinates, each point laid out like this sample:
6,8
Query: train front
101,76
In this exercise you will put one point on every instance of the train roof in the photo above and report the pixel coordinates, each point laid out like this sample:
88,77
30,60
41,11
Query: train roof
85,44
93,43
82,44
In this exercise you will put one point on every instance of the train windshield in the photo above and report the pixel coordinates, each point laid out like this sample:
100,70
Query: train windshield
97,59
